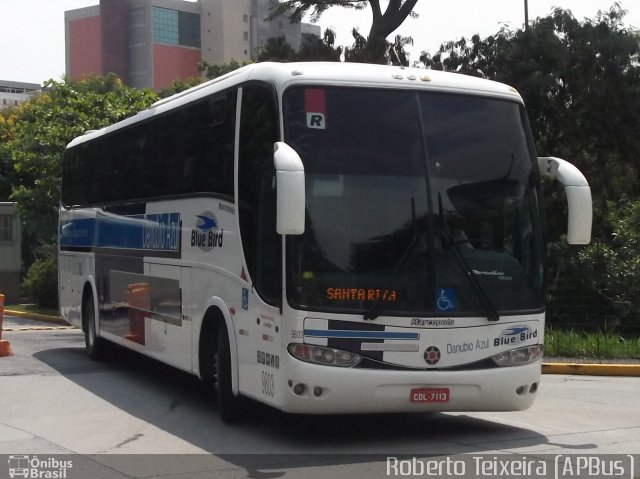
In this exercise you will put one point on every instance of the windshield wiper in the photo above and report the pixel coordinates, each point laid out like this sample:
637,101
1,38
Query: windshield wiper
374,311
481,294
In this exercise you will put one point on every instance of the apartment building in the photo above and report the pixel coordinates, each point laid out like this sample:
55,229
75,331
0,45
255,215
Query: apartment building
13,93
150,43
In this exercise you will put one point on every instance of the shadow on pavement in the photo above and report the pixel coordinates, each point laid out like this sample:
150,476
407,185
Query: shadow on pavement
267,439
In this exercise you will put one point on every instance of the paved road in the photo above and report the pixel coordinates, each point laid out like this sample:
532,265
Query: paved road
53,400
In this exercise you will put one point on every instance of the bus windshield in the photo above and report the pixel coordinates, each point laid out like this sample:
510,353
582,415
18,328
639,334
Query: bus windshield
417,203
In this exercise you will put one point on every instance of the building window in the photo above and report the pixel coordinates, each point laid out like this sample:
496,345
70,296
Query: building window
246,36
245,18
176,28
189,29
6,228
165,26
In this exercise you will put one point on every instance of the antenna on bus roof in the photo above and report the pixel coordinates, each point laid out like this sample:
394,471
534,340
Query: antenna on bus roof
395,53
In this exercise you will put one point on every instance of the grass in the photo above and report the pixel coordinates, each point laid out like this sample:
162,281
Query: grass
32,308
581,344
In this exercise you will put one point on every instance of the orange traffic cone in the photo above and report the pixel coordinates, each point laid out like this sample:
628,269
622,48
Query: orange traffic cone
5,347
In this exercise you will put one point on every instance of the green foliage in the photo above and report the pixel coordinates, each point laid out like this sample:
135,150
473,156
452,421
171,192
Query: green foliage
316,49
212,70
356,51
597,287
180,85
276,49
613,264
393,54
311,49
297,9
41,280
320,49
7,122
41,129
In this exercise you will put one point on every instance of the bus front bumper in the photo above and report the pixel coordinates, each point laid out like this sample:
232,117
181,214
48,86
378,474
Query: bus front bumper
314,389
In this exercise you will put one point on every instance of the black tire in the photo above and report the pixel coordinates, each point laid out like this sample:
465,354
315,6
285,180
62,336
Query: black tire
95,347
228,404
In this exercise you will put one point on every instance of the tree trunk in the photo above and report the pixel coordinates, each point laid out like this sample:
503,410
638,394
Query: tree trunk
384,25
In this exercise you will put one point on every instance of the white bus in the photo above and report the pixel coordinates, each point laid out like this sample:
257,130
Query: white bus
323,238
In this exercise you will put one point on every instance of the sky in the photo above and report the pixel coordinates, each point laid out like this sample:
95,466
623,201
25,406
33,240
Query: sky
32,49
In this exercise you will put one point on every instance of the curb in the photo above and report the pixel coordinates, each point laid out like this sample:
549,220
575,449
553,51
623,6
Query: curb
592,369
36,316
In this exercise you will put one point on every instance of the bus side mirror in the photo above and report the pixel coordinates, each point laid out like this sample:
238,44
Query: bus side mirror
578,194
290,194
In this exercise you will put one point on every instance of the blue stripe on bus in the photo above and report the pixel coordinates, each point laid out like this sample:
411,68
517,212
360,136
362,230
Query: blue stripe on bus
323,333
157,232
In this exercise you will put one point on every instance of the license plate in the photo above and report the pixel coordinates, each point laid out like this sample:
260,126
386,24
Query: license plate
429,395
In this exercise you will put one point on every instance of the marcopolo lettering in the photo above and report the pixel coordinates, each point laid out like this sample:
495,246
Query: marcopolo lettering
432,322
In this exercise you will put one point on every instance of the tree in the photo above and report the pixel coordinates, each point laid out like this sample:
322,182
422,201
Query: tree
312,48
41,129
317,49
581,84
213,70
383,24
276,49
7,122
178,86
614,264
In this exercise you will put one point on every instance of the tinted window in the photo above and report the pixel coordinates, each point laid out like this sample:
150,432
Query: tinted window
186,151
256,191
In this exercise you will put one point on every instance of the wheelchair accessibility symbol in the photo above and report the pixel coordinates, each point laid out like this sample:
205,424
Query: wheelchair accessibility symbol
446,299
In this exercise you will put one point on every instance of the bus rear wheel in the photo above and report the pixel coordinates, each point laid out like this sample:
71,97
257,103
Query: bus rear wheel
95,346
228,404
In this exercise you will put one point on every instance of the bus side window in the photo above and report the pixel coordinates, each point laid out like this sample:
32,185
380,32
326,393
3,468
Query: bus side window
256,191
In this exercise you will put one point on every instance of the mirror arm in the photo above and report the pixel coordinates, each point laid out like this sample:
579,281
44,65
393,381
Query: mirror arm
578,195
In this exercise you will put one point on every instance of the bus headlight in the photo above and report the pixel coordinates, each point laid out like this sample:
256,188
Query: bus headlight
518,357
323,355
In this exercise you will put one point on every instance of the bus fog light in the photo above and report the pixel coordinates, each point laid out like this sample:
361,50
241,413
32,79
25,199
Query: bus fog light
299,389
518,357
317,391
323,355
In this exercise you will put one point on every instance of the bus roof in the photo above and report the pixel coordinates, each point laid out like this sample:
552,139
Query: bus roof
284,75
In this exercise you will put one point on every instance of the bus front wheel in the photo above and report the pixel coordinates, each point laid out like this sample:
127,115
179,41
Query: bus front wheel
227,402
